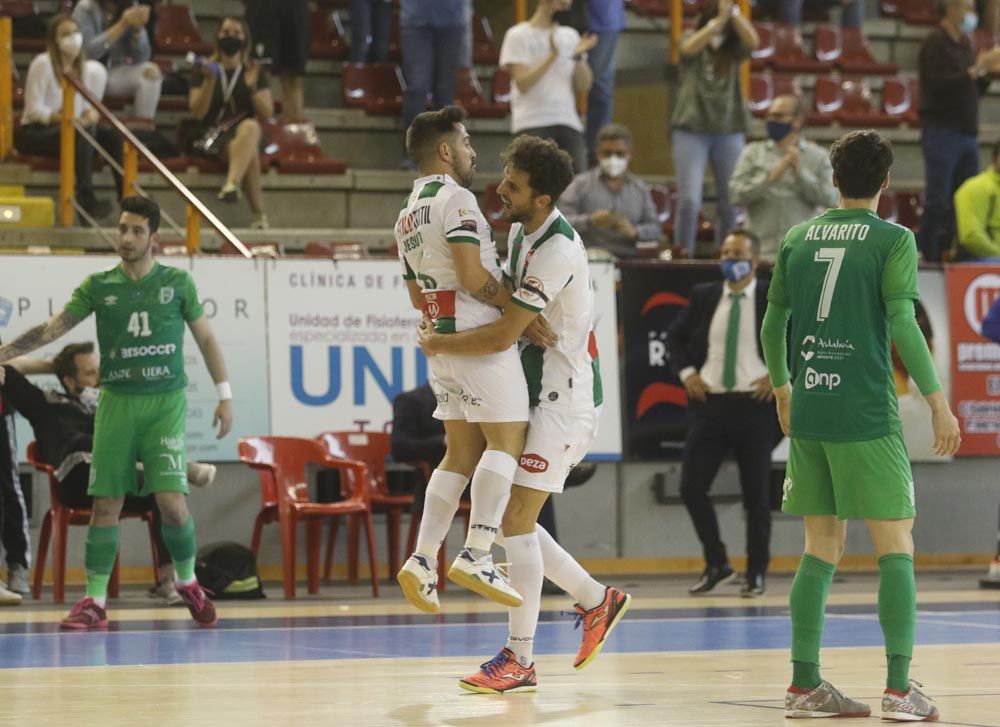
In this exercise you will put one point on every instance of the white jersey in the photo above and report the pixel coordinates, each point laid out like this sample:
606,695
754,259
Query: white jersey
549,273
437,214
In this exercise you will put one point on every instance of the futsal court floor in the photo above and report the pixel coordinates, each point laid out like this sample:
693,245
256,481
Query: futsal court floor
344,658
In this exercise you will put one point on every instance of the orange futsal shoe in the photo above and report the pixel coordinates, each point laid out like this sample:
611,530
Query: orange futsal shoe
598,623
501,675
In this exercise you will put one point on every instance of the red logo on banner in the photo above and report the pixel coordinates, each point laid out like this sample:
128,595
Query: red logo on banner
975,361
534,463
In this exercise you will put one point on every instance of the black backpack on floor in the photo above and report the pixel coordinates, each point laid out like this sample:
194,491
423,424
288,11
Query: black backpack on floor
229,572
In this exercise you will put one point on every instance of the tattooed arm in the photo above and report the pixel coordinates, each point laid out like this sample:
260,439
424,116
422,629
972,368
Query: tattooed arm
476,280
39,335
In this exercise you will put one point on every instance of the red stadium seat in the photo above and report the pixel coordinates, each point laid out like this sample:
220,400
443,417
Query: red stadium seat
898,102
260,248
790,55
484,48
354,85
857,58
661,200
294,148
337,250
889,8
919,12
327,35
829,43
765,87
500,89
828,97
761,56
888,206
177,31
385,89
492,206
857,108
910,204
469,95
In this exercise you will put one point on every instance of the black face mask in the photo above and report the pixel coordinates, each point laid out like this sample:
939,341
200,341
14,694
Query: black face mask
230,45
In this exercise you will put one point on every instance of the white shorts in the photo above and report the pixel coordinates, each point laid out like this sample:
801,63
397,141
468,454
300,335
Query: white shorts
557,442
480,388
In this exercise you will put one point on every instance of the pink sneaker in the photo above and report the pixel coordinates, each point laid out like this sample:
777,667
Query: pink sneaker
85,615
202,610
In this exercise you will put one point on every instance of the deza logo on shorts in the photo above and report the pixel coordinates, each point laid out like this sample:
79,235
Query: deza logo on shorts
816,379
534,463
162,349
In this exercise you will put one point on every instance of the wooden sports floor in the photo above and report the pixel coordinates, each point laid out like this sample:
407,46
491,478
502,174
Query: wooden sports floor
344,659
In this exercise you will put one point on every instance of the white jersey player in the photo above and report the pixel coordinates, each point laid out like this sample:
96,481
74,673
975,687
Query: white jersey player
547,271
452,274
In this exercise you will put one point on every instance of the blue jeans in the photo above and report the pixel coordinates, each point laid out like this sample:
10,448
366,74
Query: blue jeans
691,153
950,157
600,101
430,63
790,11
371,24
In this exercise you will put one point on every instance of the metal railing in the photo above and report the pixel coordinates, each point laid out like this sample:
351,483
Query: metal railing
6,87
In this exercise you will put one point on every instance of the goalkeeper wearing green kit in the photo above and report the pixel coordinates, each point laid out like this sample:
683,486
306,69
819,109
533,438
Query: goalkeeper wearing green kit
849,282
141,309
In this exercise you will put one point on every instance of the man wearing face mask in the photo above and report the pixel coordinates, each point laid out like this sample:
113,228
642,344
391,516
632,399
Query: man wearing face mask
610,207
782,180
715,351
952,78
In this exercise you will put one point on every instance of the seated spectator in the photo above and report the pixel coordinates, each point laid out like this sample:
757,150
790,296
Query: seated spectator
282,28
63,423
710,117
16,534
43,99
547,63
784,179
977,214
371,24
610,207
114,33
852,12
230,95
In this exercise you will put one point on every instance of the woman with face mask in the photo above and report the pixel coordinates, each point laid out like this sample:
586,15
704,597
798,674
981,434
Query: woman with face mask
710,118
230,95
39,132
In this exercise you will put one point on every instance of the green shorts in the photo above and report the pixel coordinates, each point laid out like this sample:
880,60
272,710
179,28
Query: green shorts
147,428
870,479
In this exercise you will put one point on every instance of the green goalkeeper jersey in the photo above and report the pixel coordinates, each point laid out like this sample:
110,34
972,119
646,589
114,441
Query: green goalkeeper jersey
835,273
140,326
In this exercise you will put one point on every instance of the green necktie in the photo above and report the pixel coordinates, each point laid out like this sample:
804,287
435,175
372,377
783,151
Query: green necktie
732,343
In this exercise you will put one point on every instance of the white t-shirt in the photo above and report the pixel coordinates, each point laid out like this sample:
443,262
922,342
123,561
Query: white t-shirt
551,101
437,214
549,274
43,92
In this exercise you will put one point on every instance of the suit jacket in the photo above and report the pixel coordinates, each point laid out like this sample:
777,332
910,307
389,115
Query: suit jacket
416,434
687,338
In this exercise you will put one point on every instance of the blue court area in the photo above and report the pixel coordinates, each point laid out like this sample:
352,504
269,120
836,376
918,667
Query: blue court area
236,640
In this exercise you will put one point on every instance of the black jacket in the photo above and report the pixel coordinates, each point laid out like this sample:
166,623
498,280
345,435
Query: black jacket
416,434
687,338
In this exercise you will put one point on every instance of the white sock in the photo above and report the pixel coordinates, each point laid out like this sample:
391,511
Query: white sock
490,492
440,505
101,601
525,572
565,572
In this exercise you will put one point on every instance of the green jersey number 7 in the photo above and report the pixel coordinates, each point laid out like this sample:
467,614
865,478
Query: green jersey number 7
834,258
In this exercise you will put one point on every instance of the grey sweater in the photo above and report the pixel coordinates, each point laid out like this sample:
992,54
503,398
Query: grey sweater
131,48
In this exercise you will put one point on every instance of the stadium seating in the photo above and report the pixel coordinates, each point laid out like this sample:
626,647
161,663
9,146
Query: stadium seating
177,31
898,100
848,49
910,205
856,107
469,95
328,39
765,87
500,88
263,248
790,55
484,48
293,148
919,12
375,87
337,250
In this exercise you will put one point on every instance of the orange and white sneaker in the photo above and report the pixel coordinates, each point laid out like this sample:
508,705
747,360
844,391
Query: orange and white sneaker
598,623
501,675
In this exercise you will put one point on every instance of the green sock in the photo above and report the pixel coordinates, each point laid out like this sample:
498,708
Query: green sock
182,546
99,559
807,602
897,613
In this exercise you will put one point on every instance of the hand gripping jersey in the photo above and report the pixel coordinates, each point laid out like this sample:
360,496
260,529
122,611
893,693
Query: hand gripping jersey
836,272
140,326
549,273
437,214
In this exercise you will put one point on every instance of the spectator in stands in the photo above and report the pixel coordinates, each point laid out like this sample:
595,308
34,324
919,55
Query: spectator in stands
951,81
548,66
610,207
63,423
283,32
16,536
784,179
852,12
371,24
710,116
606,18
114,33
43,100
433,38
977,215
230,95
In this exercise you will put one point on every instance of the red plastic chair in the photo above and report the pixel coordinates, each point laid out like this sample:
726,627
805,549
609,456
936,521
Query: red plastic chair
856,57
281,463
761,56
354,85
828,98
484,48
260,248
857,108
761,94
469,95
294,148
919,12
337,250
328,39
492,207
897,101
177,31
385,89
55,528
371,448
790,55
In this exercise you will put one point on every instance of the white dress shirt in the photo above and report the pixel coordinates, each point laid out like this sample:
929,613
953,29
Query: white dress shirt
749,366
43,91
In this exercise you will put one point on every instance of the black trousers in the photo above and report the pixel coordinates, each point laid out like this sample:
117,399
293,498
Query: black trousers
14,533
730,424
43,140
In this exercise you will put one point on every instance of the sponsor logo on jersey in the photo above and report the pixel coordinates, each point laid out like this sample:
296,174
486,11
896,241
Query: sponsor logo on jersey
534,463
786,489
533,289
161,349
110,300
6,311
553,395
166,294
175,465
156,372
119,374
174,443
468,225
826,349
409,222
808,340
816,379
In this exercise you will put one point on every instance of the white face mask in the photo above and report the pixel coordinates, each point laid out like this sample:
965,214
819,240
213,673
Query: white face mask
70,45
614,165
88,397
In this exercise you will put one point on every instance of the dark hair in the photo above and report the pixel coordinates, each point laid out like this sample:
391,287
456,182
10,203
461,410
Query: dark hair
549,168
144,207
615,132
860,160
424,134
749,235
64,364
729,52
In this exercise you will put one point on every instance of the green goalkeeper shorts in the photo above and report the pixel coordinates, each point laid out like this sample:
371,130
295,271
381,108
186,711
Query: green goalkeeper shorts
146,428
870,479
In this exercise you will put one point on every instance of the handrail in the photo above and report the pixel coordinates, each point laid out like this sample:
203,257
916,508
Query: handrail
196,210
520,11
676,29
6,87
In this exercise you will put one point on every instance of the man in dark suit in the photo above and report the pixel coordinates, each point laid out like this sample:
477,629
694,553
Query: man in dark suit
715,351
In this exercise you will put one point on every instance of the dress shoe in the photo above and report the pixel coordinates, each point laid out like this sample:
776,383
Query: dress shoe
711,577
753,586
